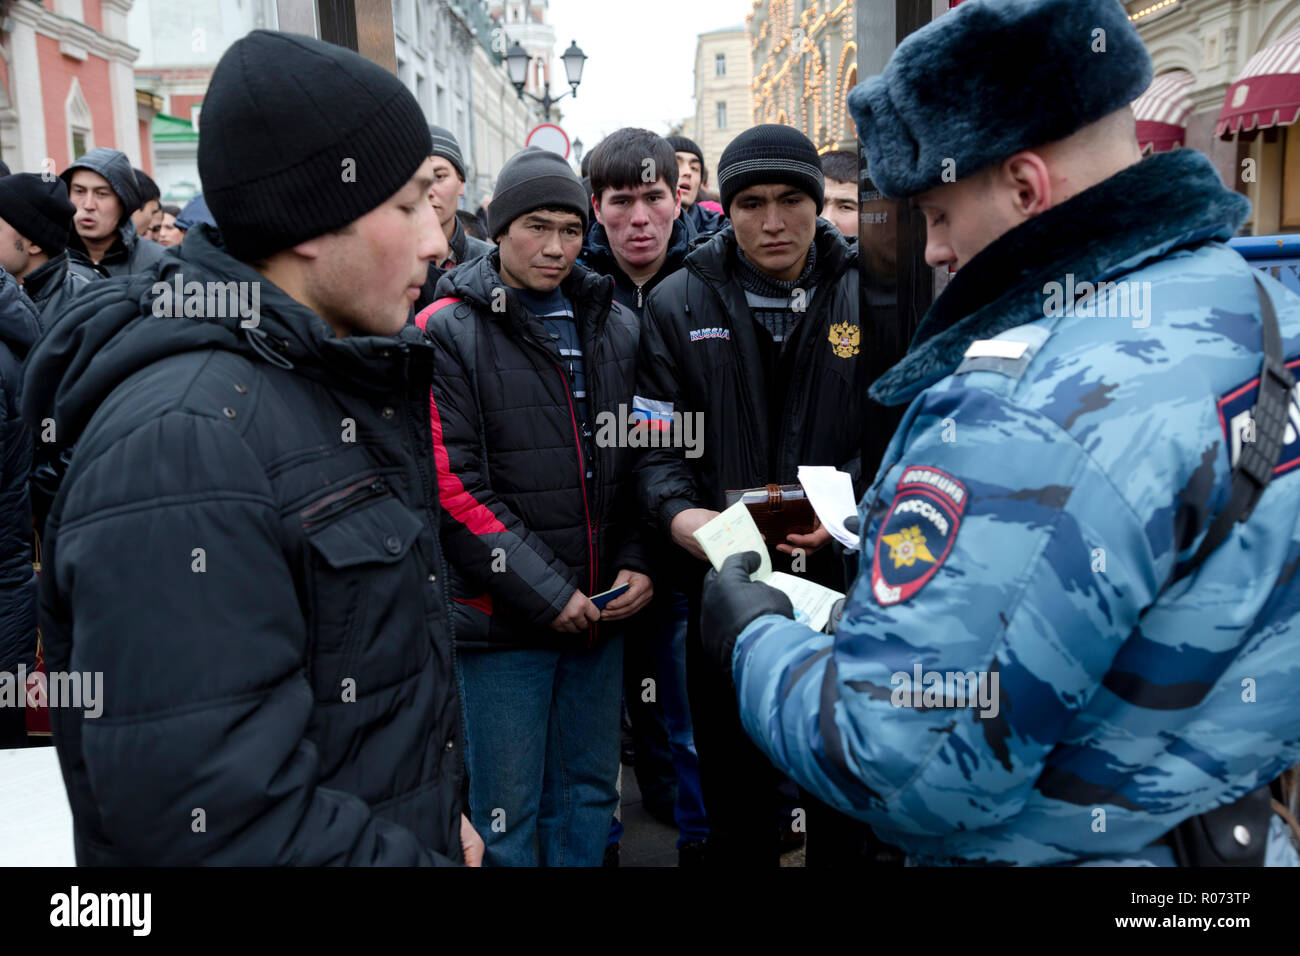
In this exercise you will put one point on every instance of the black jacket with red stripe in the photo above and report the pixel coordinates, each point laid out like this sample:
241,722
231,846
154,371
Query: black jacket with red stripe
521,529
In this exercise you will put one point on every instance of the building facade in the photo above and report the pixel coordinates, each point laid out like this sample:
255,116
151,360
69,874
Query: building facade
434,43
525,22
804,56
722,91
448,54
67,86
180,42
1214,59
451,55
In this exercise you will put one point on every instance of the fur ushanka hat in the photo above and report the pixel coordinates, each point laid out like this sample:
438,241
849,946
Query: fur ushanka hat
991,78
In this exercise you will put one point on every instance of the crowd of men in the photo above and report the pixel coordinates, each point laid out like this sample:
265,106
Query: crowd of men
330,479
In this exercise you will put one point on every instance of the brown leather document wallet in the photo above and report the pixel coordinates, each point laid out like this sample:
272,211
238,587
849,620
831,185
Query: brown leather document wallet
778,510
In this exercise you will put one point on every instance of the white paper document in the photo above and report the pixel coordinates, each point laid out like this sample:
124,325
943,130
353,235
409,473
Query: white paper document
734,532
830,492
812,602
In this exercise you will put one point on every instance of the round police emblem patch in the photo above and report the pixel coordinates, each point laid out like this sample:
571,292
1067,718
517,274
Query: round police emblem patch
917,533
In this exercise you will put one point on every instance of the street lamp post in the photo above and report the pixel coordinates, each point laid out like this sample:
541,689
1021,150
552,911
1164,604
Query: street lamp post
517,60
577,149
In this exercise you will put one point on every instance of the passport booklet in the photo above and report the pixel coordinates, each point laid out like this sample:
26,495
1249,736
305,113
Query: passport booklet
734,532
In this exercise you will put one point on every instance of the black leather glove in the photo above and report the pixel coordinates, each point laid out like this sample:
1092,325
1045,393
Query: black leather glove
731,601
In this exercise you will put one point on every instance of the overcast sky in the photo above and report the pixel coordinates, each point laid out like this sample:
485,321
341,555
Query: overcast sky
641,60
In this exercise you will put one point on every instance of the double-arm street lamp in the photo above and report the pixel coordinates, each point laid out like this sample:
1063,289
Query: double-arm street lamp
517,65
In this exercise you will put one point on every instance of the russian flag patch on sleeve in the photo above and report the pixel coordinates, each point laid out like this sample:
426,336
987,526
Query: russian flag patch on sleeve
652,414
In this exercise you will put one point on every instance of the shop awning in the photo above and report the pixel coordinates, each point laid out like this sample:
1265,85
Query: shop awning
1162,112
1267,93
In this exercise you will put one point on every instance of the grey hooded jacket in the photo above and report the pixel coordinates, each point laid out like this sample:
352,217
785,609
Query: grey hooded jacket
130,253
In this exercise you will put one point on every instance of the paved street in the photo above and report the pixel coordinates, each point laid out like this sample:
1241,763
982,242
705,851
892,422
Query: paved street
647,842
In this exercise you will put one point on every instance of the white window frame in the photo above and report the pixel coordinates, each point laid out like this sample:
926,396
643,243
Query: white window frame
78,119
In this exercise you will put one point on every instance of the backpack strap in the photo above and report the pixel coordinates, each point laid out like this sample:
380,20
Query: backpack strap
426,313
1254,468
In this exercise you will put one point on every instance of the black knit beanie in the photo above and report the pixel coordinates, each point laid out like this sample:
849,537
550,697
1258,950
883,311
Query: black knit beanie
300,138
38,209
770,154
681,144
534,178
446,146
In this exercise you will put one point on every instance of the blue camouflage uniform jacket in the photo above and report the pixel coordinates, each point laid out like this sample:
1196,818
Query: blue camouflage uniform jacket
1020,541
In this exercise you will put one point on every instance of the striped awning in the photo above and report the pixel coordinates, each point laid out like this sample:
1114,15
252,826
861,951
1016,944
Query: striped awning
1162,111
1267,93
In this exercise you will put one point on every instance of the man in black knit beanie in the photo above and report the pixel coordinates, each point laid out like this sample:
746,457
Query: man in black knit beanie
692,177
246,544
760,334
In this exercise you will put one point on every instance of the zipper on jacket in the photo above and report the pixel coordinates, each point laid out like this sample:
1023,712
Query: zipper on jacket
343,499
760,422
422,426
822,296
589,350
586,508
577,437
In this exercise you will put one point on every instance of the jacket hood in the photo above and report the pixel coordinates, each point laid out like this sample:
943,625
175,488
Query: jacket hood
714,258
477,281
465,247
195,212
20,324
116,168
1166,201
599,257
121,325
702,220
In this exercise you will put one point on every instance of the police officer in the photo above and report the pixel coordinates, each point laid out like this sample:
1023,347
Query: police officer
1075,625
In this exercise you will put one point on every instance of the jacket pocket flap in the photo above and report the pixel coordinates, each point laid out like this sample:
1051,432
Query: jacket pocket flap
378,532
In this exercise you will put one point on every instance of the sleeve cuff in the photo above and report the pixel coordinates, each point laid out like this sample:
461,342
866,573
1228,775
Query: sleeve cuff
670,509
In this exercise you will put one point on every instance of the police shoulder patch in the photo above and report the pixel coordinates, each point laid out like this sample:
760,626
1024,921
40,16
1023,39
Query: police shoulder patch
1237,419
917,534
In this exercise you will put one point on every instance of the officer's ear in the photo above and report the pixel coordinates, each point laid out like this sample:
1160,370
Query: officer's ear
1026,182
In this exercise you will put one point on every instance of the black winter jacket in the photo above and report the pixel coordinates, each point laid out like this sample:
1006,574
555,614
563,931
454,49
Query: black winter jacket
128,254
509,462
246,545
718,373
57,283
53,287
19,330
